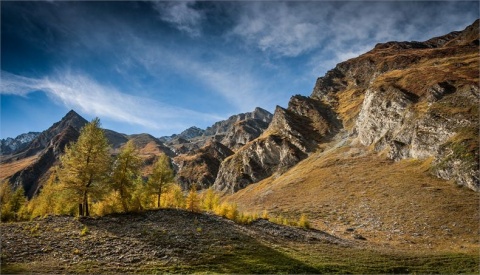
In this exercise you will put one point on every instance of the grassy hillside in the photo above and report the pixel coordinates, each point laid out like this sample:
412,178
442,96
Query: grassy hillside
349,192
10,168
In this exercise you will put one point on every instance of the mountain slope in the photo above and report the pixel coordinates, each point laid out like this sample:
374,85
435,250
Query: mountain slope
32,166
348,190
36,173
402,99
414,100
292,134
200,152
403,168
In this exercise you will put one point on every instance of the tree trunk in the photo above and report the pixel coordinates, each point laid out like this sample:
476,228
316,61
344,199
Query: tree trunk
85,204
80,209
159,195
124,201
87,213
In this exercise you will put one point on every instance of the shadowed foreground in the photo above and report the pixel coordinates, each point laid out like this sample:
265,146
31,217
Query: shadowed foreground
172,240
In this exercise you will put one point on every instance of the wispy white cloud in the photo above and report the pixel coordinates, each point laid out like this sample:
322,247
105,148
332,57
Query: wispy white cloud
281,28
182,15
291,29
80,92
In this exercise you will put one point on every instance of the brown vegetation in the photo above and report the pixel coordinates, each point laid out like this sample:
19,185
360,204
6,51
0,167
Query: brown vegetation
347,191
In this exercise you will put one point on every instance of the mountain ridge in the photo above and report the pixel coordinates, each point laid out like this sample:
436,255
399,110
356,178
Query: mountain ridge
405,99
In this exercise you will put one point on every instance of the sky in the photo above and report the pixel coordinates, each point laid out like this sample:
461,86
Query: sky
161,67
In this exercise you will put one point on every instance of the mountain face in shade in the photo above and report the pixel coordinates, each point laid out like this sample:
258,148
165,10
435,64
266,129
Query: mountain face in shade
47,148
200,167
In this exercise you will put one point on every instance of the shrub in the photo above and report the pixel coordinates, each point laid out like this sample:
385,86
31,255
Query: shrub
265,214
85,231
303,221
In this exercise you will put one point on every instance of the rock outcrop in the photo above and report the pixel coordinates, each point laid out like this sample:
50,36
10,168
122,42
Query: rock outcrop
233,132
189,133
414,100
405,99
200,152
293,134
200,167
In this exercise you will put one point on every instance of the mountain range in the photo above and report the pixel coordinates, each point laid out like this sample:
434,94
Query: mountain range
401,100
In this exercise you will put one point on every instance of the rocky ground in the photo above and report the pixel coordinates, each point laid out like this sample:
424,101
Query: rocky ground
140,241
171,240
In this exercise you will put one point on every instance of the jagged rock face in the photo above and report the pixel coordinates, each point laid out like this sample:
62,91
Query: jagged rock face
200,161
240,133
200,167
414,100
224,125
256,161
408,99
292,134
14,145
233,132
187,134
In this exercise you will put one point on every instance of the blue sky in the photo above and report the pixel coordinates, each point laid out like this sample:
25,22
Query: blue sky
161,67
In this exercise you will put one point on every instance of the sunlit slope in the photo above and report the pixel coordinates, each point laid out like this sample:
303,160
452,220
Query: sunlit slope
349,191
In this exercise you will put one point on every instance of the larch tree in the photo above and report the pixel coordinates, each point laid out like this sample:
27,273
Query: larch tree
161,176
85,166
126,170
192,201
11,201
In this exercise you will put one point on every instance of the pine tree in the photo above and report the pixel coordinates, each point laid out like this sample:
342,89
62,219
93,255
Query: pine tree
85,165
161,177
126,169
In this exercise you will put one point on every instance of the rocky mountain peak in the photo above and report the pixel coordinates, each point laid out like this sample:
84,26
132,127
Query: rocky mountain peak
10,146
224,126
71,119
191,133
292,134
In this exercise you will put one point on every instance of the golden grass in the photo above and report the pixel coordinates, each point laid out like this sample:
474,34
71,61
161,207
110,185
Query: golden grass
9,169
423,75
151,148
390,203
350,103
